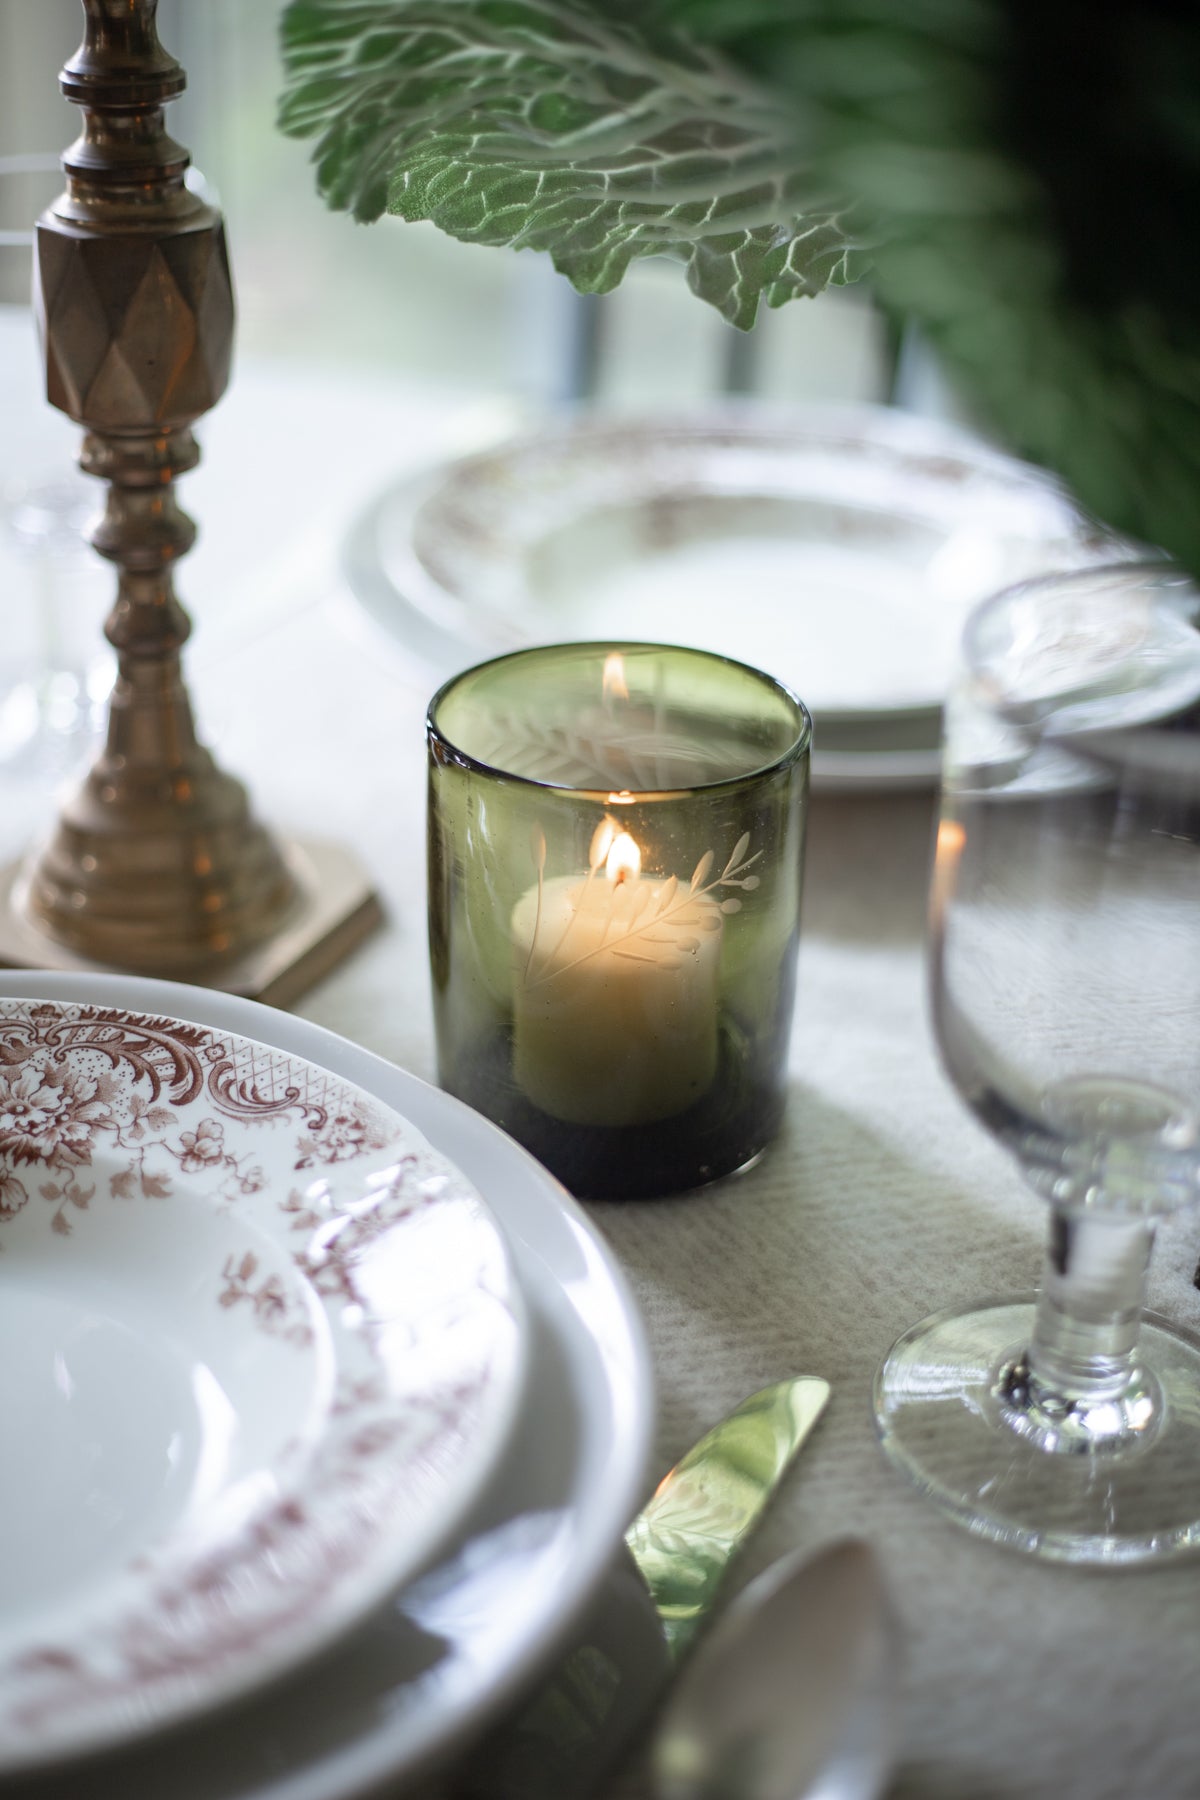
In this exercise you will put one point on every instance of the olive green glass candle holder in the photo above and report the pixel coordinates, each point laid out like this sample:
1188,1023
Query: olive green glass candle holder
616,842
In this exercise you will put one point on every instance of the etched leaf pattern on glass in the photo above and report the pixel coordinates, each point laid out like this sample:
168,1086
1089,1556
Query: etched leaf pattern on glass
661,924
597,750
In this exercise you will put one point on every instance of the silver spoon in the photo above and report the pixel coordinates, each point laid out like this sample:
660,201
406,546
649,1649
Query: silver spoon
792,1696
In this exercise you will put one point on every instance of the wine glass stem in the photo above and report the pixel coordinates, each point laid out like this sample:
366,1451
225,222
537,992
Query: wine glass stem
1088,1311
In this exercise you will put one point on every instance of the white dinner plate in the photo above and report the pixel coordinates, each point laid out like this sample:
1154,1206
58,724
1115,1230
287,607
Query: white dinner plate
839,548
260,1346
408,1688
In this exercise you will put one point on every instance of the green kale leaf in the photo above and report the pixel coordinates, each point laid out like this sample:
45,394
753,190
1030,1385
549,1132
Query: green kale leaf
560,126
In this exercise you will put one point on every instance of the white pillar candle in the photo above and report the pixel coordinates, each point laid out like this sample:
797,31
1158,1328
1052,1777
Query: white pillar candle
615,1005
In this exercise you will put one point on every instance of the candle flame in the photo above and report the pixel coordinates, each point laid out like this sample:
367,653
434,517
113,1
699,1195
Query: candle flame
613,684
624,859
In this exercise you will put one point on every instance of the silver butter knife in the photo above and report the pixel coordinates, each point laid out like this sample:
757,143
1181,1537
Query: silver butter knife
592,1707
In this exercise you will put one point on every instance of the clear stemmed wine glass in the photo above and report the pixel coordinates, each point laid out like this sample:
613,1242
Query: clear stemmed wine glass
1065,974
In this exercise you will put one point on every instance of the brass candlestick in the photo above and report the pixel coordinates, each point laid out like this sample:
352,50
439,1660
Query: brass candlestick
157,864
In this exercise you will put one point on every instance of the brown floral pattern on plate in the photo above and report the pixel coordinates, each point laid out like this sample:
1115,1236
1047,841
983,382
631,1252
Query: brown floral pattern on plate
338,1242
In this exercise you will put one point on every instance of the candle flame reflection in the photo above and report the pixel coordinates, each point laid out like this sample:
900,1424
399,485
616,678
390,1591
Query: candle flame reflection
951,842
951,838
613,684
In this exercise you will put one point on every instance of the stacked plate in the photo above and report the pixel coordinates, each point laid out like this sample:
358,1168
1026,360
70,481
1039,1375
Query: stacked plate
325,1407
840,548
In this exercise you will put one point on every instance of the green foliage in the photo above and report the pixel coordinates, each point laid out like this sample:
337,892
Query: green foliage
560,126
1028,174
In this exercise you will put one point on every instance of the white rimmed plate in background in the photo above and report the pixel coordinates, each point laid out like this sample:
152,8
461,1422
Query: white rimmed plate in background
839,548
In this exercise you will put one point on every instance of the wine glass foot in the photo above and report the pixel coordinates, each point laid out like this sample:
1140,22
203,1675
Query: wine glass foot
1109,1424
957,1416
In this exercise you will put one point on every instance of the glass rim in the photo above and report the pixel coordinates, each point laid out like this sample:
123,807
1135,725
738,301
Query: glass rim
801,742
1053,580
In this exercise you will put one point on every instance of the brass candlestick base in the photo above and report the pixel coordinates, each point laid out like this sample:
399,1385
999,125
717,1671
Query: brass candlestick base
157,864
334,910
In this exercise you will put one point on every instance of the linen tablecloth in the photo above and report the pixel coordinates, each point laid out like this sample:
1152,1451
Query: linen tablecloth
880,1201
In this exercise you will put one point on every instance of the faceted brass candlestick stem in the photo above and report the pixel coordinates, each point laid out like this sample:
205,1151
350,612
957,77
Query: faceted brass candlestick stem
157,864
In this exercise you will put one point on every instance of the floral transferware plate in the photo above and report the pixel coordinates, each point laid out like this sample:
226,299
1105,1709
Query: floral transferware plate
260,1347
837,547
409,1687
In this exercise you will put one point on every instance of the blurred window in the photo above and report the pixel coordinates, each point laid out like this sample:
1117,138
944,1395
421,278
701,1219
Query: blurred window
405,299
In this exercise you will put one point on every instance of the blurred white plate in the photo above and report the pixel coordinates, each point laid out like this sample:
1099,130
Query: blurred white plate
260,1348
406,1689
839,548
